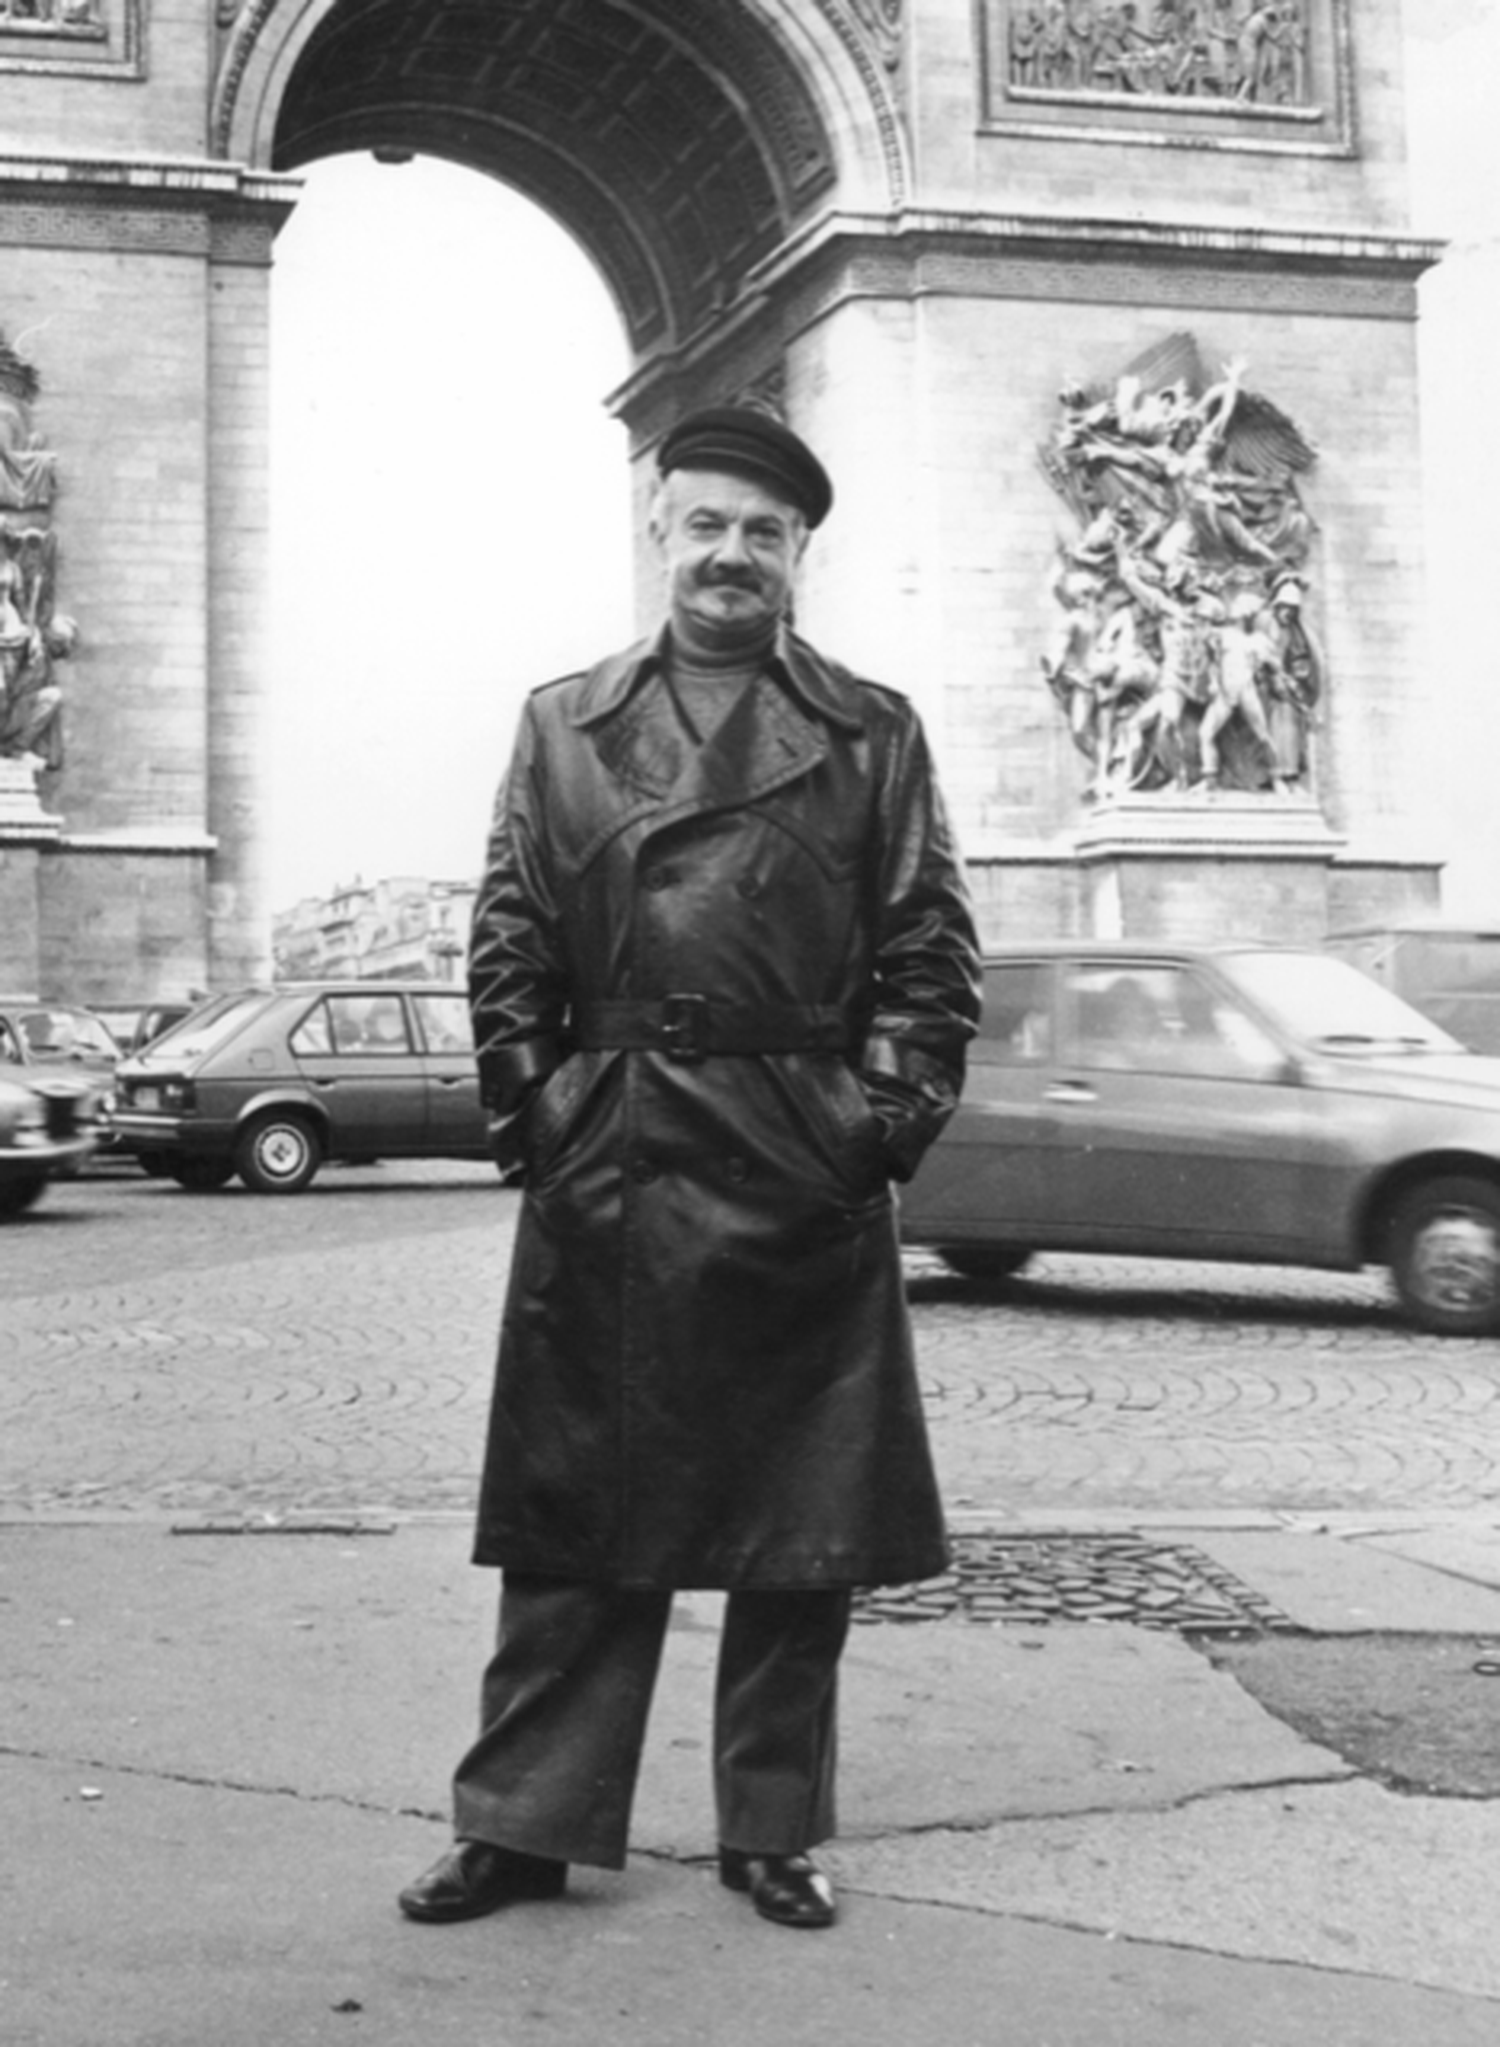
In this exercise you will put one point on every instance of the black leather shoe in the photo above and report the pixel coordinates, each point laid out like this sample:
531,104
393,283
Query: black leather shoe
790,1889
475,1877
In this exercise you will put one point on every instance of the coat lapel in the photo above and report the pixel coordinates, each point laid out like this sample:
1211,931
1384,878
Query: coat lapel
775,734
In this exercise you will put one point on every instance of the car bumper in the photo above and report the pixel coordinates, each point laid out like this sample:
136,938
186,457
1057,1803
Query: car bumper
139,1130
27,1162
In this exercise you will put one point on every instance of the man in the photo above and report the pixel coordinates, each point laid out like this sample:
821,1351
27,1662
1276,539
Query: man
722,973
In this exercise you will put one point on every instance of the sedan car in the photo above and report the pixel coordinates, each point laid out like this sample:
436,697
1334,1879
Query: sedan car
51,1034
133,1025
269,1082
1251,1103
47,1127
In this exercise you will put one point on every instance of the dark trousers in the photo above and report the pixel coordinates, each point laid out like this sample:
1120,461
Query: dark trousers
563,1718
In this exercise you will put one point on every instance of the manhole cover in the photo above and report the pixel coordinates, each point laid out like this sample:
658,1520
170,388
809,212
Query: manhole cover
1065,1577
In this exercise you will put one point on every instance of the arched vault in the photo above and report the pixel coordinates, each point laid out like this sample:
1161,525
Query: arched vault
680,141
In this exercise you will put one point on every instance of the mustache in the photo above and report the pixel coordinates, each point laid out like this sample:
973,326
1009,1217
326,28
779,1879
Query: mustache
729,579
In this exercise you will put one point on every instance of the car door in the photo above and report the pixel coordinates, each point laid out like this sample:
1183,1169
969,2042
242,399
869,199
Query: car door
358,1058
995,1175
1184,1124
455,1119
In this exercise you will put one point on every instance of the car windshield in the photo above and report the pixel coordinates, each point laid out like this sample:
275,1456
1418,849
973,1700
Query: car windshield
208,1025
1327,1003
64,1034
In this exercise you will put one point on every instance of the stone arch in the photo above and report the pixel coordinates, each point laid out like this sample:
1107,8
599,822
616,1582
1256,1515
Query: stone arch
682,145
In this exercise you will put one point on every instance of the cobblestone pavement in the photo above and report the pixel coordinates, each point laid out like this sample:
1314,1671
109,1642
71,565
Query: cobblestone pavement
166,1352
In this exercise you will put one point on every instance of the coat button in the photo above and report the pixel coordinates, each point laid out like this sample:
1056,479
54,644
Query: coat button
738,1168
659,877
643,1172
749,888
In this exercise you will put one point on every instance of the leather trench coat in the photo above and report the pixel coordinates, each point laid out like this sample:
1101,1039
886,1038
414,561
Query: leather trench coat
705,1373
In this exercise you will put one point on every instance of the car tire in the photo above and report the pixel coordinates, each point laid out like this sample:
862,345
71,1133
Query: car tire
200,1176
21,1192
278,1154
982,1261
1444,1251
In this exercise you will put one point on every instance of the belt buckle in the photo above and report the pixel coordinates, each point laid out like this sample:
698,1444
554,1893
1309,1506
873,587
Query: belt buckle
684,1028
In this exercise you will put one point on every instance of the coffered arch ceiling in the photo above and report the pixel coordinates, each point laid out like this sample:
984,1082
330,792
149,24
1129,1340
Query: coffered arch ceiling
676,139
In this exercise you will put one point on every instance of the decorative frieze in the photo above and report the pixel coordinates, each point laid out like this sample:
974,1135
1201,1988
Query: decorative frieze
1269,75
81,38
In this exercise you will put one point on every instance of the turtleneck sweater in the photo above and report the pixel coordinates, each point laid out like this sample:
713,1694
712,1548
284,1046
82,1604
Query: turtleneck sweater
706,681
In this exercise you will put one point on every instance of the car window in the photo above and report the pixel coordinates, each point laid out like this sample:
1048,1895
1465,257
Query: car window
1164,1019
55,1033
356,1023
208,1026
1015,1026
90,1034
444,1022
1334,1005
314,1035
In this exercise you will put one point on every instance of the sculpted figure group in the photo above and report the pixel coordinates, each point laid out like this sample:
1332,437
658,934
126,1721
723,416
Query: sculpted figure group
1183,657
33,639
34,635
1251,51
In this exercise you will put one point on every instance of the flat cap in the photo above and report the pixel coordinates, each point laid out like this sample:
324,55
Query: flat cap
745,442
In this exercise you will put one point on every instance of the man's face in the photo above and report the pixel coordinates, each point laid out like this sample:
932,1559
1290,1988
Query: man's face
729,548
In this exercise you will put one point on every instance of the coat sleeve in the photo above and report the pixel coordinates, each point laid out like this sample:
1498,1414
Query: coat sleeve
517,984
926,970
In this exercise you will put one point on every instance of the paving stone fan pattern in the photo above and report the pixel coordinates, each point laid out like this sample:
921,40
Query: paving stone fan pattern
1036,1578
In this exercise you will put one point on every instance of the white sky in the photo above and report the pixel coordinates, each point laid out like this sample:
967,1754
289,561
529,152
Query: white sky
450,511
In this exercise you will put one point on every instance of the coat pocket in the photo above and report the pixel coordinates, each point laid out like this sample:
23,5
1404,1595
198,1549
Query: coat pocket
834,1112
558,1110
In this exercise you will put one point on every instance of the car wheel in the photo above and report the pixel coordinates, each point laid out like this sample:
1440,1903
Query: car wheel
21,1192
1445,1256
982,1261
201,1176
278,1154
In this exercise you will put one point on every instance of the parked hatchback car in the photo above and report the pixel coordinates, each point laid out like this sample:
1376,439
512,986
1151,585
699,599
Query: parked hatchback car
1257,1104
47,1127
270,1082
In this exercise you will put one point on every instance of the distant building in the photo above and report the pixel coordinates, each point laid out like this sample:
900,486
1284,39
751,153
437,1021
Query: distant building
399,929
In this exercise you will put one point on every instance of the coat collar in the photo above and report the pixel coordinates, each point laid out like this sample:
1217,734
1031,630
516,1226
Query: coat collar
821,687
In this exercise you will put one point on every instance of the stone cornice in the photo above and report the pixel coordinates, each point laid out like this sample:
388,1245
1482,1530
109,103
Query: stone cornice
161,177
913,253
169,839
1085,236
133,206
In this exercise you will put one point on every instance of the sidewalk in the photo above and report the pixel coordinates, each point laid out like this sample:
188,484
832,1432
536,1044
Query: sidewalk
221,1755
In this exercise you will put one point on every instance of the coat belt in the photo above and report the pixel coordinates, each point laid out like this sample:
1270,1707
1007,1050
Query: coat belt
693,1027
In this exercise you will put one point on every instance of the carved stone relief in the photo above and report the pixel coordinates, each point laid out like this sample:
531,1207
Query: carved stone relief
66,18
1183,658
73,38
1237,51
1247,74
34,635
